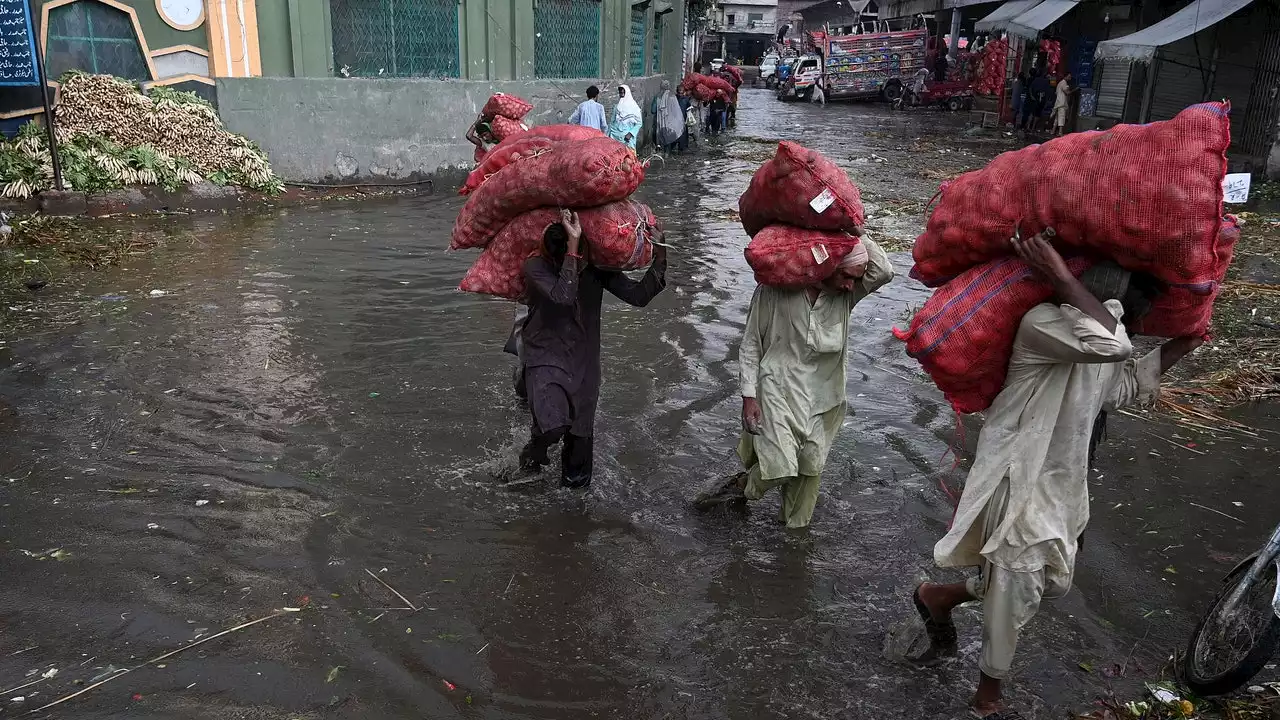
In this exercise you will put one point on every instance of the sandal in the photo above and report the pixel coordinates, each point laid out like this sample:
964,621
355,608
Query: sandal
943,640
731,489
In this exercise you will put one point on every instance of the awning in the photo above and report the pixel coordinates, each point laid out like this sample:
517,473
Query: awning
662,8
999,19
891,9
1029,24
1141,46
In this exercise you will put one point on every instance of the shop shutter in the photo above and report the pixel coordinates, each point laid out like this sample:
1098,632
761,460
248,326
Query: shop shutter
1183,71
1248,75
1113,88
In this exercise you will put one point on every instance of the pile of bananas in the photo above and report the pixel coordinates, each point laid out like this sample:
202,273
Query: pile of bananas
111,135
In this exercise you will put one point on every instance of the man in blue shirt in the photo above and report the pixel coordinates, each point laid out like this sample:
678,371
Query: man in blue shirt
590,113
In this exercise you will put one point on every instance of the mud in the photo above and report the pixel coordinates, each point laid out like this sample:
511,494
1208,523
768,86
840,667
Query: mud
307,400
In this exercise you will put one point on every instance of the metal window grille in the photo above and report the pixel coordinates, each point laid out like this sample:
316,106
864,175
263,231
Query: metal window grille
395,38
90,36
659,23
566,43
637,46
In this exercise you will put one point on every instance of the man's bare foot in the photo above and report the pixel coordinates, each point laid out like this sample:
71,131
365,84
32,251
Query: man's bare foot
932,603
988,703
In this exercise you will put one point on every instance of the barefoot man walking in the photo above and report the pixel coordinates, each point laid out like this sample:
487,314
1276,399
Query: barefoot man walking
1026,500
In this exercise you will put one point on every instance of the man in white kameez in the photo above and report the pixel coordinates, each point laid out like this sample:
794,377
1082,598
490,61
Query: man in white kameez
791,370
1026,500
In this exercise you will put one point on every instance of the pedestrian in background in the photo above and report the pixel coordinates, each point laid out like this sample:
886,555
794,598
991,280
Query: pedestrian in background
1062,104
590,113
627,119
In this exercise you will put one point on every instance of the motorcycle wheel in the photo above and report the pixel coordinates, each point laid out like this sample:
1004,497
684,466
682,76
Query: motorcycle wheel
1227,649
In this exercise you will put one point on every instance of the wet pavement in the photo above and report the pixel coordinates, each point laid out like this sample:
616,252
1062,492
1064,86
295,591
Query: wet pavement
309,401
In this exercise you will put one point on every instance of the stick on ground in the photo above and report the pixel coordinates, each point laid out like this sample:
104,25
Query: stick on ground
393,590
165,656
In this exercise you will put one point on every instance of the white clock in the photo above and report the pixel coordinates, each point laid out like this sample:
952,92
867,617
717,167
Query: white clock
181,14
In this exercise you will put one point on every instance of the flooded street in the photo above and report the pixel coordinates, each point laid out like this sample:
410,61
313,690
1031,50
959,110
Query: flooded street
309,402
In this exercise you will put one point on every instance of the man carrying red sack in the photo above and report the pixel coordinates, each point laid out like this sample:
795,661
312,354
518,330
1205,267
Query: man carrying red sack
1026,500
791,370
561,343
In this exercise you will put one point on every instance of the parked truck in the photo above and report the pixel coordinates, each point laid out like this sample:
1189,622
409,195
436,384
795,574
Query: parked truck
868,65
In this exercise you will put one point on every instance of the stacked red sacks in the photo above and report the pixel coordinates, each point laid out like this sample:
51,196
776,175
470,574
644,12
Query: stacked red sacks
579,174
705,88
804,216
504,127
619,235
1148,197
994,57
508,213
507,106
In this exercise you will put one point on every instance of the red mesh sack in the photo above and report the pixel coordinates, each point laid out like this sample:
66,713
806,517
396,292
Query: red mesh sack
963,336
580,174
792,257
506,106
619,237
1180,311
502,155
1147,196
557,133
704,88
504,127
736,82
788,188
991,79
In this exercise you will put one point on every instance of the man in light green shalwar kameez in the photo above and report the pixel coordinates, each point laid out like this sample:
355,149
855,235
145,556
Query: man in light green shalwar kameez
792,378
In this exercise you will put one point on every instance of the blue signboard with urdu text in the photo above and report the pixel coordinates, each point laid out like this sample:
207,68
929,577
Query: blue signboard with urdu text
17,45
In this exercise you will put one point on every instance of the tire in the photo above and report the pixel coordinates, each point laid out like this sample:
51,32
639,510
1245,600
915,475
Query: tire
892,91
1266,637
953,104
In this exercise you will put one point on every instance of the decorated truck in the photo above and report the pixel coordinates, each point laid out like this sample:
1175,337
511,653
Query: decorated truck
868,65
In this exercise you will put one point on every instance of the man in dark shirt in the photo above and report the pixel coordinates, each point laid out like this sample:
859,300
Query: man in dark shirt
561,344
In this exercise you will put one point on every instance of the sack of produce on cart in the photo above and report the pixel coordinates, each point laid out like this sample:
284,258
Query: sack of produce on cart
502,155
1147,196
618,236
800,187
792,257
963,336
581,174
503,128
507,106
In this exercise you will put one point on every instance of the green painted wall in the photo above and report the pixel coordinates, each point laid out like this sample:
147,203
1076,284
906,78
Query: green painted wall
310,38
274,41
495,38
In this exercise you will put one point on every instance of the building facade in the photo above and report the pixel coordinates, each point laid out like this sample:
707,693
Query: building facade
190,43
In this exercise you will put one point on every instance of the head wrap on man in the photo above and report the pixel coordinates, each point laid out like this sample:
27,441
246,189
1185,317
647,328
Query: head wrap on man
856,257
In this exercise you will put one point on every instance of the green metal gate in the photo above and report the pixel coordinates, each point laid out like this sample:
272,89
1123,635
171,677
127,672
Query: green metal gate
395,38
567,39
636,49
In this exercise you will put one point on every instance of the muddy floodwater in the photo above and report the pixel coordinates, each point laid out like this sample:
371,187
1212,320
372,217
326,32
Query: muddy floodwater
275,408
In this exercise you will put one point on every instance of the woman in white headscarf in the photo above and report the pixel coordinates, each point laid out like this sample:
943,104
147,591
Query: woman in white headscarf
669,118
627,119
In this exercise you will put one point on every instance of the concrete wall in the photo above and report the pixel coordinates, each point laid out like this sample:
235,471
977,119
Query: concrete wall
348,129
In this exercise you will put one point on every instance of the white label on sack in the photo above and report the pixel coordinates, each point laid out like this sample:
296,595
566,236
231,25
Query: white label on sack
1235,188
820,254
823,201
